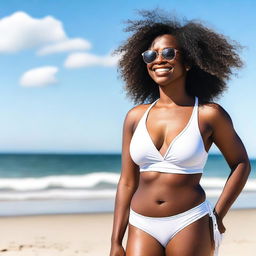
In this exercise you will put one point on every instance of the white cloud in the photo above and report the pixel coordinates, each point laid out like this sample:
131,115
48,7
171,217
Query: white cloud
20,31
78,60
67,45
38,77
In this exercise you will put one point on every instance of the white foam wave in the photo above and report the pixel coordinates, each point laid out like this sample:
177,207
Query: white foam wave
76,194
59,194
218,183
64,181
91,181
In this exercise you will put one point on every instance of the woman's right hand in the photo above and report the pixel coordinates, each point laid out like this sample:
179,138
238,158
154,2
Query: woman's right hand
117,250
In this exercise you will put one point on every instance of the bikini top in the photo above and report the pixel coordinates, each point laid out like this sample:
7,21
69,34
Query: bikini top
185,155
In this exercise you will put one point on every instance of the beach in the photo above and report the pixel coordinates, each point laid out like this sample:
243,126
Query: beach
62,204
89,234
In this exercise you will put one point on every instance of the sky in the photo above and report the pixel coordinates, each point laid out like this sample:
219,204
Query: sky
60,89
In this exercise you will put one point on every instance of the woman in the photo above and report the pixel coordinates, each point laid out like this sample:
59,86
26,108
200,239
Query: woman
179,69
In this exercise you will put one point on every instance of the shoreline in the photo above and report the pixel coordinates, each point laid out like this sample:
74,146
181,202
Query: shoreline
81,234
246,200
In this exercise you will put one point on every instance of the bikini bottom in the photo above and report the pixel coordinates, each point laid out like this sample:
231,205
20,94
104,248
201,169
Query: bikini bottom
163,229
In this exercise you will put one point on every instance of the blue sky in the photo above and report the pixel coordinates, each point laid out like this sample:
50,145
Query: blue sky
81,105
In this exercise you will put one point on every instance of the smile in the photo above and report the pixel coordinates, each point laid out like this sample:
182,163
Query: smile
162,70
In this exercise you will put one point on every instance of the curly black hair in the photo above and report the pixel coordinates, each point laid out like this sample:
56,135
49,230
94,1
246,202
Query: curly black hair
210,56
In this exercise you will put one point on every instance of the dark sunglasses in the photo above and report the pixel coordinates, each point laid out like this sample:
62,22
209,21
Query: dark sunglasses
167,53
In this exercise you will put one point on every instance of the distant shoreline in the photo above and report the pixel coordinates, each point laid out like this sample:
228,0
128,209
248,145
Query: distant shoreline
90,206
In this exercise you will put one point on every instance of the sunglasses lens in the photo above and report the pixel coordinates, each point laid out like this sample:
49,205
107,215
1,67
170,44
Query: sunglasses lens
149,56
168,53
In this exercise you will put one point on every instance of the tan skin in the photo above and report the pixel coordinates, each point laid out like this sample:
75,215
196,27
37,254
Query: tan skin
155,193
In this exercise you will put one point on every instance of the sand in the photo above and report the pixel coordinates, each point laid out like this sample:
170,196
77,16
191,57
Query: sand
89,234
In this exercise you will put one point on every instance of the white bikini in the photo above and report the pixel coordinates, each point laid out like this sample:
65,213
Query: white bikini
185,155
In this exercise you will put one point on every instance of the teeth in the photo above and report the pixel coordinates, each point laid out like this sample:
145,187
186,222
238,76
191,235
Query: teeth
162,69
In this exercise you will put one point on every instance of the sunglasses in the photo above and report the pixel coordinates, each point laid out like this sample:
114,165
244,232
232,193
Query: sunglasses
167,53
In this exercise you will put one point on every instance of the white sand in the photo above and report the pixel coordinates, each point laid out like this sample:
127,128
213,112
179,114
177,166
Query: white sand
89,234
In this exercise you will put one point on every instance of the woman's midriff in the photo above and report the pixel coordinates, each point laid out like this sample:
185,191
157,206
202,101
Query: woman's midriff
165,194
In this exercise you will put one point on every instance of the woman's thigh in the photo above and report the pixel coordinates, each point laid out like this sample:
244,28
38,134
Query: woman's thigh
140,243
194,239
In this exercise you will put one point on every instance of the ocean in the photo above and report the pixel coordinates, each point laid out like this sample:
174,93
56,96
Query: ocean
80,183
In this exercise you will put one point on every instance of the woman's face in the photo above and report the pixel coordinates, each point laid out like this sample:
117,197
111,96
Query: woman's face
163,71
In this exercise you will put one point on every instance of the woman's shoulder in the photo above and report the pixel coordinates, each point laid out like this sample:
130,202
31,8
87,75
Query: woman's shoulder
134,114
137,111
213,112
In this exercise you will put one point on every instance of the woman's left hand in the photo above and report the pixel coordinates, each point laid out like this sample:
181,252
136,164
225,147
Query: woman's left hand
221,226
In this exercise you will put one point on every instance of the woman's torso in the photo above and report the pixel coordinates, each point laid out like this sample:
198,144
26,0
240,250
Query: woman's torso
164,194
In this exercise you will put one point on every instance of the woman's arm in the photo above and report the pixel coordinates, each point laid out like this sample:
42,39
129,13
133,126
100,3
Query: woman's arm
127,184
232,148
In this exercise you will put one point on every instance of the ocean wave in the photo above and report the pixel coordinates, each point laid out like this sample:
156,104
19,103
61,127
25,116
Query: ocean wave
59,194
211,183
63,194
94,181
64,181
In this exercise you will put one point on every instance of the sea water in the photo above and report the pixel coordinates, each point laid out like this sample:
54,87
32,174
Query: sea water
77,183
